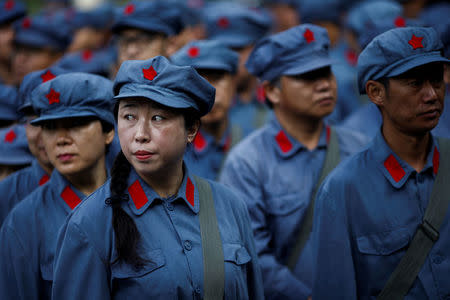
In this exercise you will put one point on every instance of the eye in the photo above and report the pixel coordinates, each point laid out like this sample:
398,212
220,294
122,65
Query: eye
157,118
415,83
129,117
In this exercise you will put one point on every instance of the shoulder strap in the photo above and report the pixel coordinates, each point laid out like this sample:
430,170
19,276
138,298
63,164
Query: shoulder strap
213,259
332,159
427,233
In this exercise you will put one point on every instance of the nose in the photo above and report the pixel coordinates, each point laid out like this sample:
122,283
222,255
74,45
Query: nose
131,50
63,137
430,93
323,84
142,134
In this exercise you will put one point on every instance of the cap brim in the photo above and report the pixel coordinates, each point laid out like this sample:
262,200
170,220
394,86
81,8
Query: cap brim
178,103
143,25
408,64
315,64
35,39
63,115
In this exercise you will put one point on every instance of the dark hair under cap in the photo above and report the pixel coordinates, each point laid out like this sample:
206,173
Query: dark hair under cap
161,81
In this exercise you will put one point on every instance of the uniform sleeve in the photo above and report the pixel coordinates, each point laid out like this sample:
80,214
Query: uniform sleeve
334,276
279,282
19,278
79,271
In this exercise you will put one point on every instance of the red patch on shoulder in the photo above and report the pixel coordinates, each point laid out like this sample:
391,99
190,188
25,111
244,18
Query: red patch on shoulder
137,194
190,189
199,142
283,142
436,156
394,168
44,179
69,196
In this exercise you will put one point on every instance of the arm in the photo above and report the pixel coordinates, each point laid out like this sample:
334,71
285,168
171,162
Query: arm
278,280
79,271
332,247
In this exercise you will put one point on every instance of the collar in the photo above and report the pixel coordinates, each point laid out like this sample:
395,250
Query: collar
41,176
142,195
65,191
203,141
394,168
286,146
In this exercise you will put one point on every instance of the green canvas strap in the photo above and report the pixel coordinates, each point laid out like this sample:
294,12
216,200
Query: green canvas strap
213,259
404,275
332,159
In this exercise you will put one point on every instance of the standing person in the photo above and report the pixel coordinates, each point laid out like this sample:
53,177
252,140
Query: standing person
77,126
278,167
217,64
141,235
368,217
10,11
23,182
240,27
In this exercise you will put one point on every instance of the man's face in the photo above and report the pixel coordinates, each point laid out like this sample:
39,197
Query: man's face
414,101
6,41
311,95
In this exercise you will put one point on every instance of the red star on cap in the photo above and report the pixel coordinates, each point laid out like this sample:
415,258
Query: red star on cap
309,36
400,22
53,97
416,42
149,73
9,5
193,52
47,76
129,9
26,23
10,136
86,55
223,22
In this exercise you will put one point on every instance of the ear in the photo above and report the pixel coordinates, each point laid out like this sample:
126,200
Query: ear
376,92
109,136
192,132
273,92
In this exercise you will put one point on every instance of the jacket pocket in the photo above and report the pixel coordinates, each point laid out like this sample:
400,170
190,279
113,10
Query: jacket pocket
383,243
154,260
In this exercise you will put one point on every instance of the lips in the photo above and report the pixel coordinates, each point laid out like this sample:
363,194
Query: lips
142,154
65,157
431,113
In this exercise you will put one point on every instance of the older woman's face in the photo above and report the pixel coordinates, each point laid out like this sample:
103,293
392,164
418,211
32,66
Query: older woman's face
152,138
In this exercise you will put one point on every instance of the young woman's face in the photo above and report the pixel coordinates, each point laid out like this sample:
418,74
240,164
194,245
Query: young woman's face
152,137
75,146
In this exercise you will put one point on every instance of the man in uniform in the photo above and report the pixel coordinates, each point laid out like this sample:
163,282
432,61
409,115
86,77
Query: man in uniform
278,167
371,208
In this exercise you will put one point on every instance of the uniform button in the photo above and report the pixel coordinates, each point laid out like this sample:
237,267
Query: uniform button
169,206
437,260
188,245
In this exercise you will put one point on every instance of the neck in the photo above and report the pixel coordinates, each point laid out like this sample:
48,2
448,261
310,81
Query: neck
167,182
305,130
48,168
217,129
411,149
87,181
5,72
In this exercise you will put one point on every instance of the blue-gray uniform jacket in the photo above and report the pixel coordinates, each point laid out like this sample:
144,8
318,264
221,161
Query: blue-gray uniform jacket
206,156
28,239
366,213
18,185
170,241
277,174
249,116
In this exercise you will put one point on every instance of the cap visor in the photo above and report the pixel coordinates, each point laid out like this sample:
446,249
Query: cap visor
311,66
64,115
408,64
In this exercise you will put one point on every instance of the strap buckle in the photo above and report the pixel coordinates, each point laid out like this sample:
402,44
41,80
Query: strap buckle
429,231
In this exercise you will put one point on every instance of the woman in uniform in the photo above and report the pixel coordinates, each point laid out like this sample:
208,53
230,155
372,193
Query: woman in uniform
143,235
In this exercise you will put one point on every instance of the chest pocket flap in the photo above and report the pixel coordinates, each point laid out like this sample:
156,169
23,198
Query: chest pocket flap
154,260
236,253
383,243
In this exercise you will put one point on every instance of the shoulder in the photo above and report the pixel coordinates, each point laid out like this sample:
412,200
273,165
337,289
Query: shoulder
227,198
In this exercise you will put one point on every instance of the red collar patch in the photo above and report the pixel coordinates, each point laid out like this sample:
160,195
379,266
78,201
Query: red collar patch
9,5
436,156
193,52
26,23
149,73
190,189
328,134
129,9
53,96
223,22
199,142
227,145
309,36
44,179
10,136
394,168
283,142
69,196
351,57
416,42
87,55
399,22
47,76
260,94
137,194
